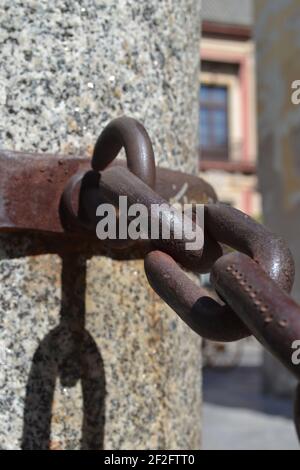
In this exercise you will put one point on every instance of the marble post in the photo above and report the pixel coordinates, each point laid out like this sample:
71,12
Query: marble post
90,357
278,50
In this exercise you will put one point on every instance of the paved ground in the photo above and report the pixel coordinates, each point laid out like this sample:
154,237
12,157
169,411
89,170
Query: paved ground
238,416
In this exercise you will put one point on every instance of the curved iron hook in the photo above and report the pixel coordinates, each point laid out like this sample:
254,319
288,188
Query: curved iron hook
121,132
128,133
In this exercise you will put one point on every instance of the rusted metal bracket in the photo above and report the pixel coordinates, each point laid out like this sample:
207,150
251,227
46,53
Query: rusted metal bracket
31,188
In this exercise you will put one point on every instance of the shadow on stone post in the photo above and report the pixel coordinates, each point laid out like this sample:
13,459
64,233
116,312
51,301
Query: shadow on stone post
69,353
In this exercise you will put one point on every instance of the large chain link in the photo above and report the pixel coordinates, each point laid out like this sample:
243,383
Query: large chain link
253,282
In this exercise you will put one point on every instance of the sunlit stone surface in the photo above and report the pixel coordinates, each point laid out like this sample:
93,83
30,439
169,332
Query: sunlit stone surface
90,357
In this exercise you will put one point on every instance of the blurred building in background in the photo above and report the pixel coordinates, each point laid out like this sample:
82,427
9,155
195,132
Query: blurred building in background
277,25
228,103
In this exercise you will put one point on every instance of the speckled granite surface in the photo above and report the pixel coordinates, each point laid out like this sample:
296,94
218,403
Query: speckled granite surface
90,357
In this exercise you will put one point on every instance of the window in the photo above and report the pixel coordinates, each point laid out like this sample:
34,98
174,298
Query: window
214,122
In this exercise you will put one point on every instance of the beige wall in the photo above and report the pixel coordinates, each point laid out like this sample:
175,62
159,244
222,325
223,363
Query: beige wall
234,52
237,189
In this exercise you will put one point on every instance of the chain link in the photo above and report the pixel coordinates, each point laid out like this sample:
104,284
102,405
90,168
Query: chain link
253,282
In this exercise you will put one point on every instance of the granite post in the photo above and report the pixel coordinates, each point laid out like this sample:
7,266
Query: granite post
278,49
90,357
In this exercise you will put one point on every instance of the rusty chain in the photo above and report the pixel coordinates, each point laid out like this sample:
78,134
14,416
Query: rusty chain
254,282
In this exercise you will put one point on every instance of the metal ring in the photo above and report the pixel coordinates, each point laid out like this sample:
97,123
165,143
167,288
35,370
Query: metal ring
239,231
128,133
271,315
232,227
191,302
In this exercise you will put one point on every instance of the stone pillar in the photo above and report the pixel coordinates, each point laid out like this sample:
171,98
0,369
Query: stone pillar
67,69
278,51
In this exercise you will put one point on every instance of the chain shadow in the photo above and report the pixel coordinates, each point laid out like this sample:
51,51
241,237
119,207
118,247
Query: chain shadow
69,353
